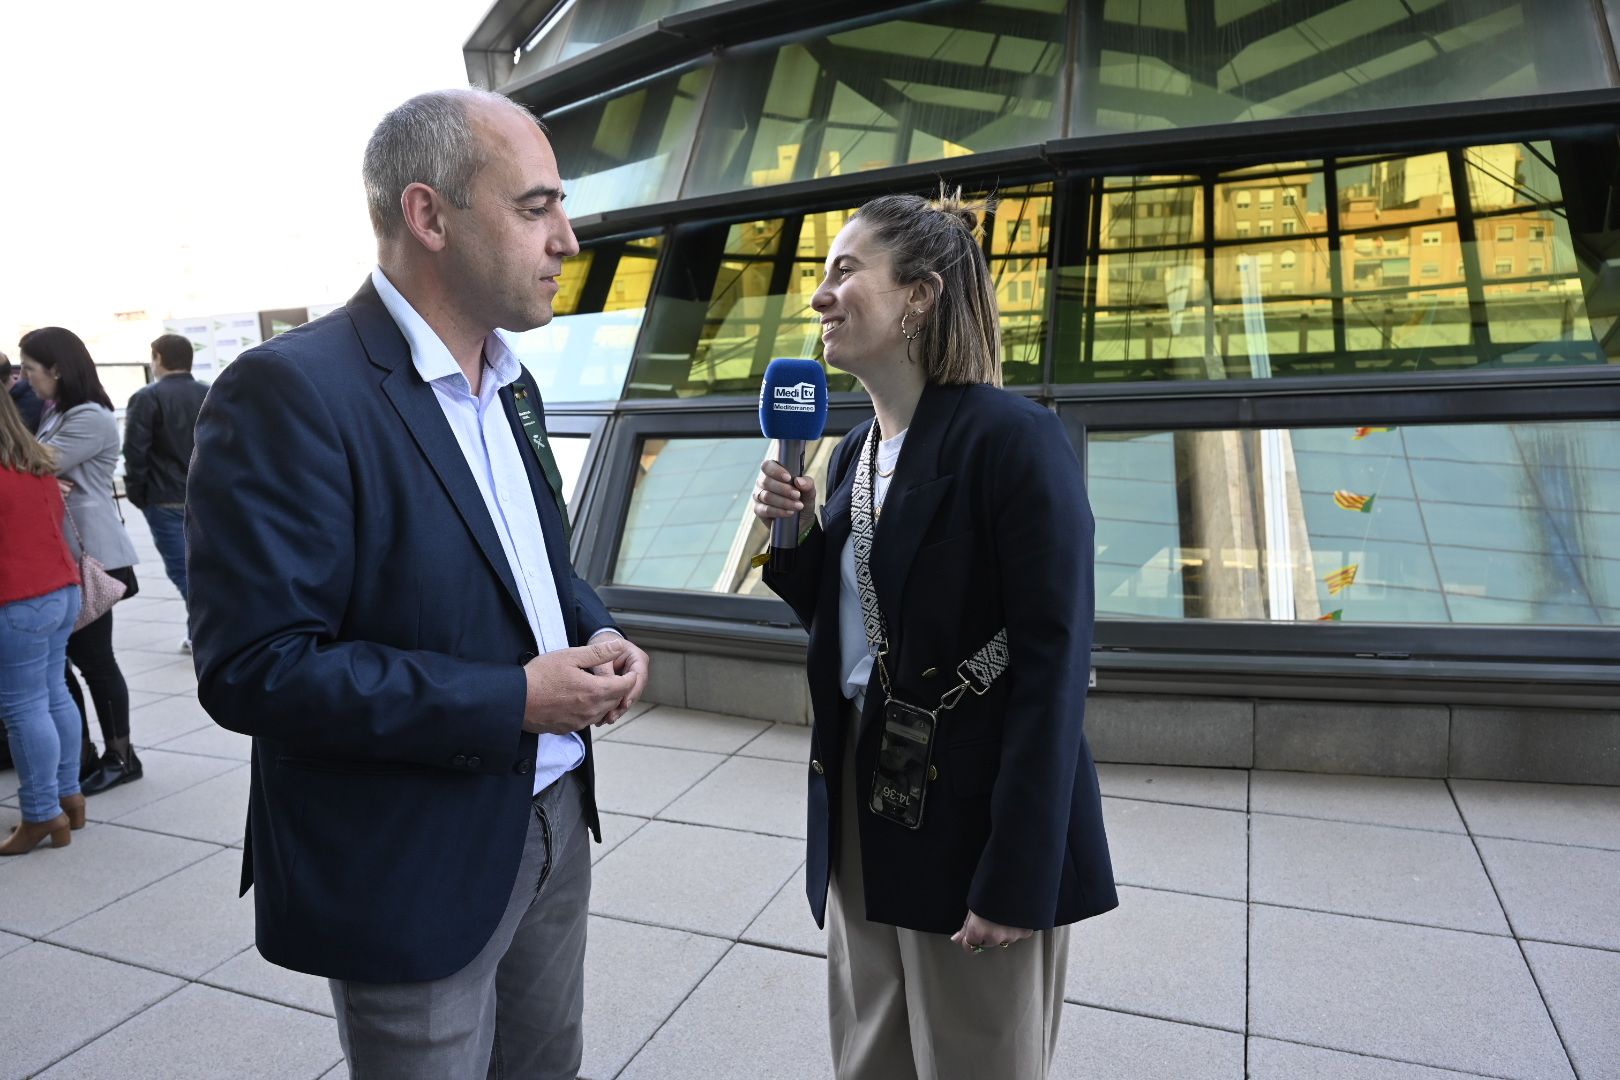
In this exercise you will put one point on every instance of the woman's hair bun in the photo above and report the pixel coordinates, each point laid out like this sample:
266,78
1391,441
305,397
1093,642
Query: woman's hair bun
951,203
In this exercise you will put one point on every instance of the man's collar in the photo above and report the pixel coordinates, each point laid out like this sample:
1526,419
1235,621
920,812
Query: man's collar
428,352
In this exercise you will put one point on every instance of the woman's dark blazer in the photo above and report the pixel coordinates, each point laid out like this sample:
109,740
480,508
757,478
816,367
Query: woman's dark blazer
985,525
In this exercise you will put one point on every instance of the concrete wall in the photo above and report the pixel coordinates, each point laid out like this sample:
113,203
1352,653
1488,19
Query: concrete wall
1570,746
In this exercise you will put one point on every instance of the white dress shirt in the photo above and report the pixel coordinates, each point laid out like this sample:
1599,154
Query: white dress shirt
495,457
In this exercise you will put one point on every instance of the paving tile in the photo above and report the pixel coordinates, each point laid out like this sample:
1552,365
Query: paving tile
642,780
713,881
1582,988
149,608
783,742
57,1000
1403,874
1561,894
163,774
340,1071
1445,998
177,677
1093,1043
759,1015
1272,1060
754,794
8,784
1553,813
249,973
133,661
635,977
185,924
1222,789
167,718
1402,801
786,922
156,636
139,699
686,729
616,829
11,942
49,888
214,810
1186,848
213,741
194,1032
1164,954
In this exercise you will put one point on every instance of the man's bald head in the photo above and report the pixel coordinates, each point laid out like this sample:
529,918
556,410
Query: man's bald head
431,139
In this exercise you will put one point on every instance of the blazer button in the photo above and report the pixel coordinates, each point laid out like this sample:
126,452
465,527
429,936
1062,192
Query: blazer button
524,767
929,673
816,766
933,773
474,761
459,760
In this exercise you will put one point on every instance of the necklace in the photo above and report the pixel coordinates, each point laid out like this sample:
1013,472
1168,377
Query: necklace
888,474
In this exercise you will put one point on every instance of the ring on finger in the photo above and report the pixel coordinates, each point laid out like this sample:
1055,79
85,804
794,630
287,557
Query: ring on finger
1006,944
976,949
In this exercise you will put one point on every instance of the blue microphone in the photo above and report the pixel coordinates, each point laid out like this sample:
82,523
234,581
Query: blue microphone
793,411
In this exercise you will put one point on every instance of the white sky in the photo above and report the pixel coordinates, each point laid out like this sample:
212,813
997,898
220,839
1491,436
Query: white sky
196,157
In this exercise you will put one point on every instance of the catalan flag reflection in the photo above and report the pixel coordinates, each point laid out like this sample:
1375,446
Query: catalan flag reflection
1332,616
1349,500
1363,432
1342,578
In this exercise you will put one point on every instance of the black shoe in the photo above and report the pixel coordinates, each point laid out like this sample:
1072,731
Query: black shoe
112,772
89,762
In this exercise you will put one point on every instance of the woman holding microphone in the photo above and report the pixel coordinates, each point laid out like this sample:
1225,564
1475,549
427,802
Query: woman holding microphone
955,825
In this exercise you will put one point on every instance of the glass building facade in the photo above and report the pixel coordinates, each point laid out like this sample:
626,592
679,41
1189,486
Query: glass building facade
1326,293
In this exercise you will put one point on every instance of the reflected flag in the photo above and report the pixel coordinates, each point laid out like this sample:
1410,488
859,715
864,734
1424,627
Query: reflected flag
1342,578
1363,432
1332,616
1349,500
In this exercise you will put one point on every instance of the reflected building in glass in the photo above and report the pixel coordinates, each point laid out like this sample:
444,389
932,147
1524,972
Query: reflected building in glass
1326,294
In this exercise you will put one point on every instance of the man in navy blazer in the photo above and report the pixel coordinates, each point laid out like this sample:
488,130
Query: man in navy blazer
382,597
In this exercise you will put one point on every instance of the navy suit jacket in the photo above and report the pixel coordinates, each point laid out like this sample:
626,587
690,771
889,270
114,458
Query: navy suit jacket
353,611
985,525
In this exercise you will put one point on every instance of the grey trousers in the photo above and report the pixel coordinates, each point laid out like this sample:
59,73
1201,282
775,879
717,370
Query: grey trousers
905,1005
514,1012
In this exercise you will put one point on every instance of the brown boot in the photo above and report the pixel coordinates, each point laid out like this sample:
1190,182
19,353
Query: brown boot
28,834
73,807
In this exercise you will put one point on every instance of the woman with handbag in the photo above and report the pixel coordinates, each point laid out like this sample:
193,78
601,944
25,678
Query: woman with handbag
955,824
78,425
39,600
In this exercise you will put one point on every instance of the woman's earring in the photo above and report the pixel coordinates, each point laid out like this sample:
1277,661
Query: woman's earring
912,336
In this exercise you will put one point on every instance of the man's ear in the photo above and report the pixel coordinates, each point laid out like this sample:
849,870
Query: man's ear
424,216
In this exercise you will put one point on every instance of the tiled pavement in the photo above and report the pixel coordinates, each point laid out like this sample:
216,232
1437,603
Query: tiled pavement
1280,926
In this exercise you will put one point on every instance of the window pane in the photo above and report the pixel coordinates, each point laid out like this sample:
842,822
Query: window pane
690,525
1424,277
584,353
628,150
1020,238
1155,68
741,299
585,25
1500,523
962,80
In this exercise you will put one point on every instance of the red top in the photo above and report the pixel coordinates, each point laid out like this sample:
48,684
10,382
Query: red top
34,558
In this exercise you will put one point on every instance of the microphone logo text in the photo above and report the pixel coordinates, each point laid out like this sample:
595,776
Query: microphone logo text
798,398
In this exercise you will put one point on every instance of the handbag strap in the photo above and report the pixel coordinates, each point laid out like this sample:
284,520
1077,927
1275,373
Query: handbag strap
978,671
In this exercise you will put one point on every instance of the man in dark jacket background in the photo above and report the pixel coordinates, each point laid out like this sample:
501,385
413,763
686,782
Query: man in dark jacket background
28,403
159,427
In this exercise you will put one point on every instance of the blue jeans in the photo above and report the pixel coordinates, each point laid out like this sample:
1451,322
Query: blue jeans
41,720
168,525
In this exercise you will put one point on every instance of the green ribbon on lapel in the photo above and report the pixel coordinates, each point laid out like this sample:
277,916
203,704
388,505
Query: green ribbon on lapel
542,452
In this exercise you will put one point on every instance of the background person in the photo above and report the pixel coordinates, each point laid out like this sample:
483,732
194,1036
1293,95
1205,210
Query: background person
39,599
21,393
376,559
79,427
159,426
958,511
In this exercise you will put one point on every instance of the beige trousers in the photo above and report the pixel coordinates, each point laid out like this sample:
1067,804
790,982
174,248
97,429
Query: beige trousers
903,1004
